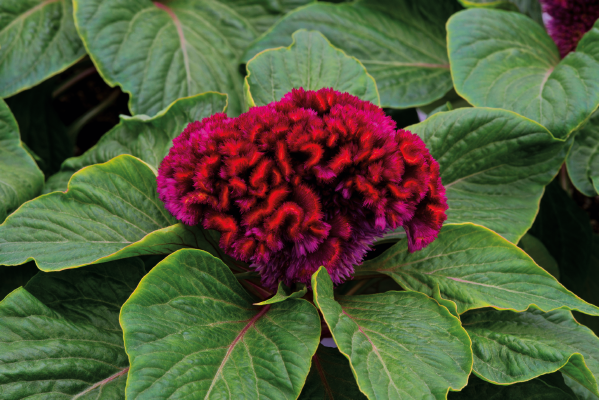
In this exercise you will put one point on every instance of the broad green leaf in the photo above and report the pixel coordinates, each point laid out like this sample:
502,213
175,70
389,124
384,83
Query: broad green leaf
401,43
504,59
191,331
284,293
38,39
21,179
110,211
310,62
161,51
582,393
60,336
147,138
565,229
539,253
583,159
546,387
532,8
494,165
40,127
474,267
514,347
330,378
401,345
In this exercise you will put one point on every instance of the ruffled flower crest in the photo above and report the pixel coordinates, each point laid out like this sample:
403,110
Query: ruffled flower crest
307,181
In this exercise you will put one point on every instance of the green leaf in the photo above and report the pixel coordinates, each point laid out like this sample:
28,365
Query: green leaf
539,253
159,52
474,267
494,165
147,138
21,178
582,393
60,336
543,388
514,347
110,211
565,229
310,62
38,40
284,293
399,344
583,159
401,43
41,128
504,59
191,331
330,378
532,8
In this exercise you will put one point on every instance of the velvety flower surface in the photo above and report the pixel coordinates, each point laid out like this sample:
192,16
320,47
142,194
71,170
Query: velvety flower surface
570,20
307,181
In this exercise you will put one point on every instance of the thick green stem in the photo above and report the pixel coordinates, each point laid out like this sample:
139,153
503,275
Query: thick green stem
76,126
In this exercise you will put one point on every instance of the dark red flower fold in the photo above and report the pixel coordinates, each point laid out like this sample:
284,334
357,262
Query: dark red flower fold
569,21
307,181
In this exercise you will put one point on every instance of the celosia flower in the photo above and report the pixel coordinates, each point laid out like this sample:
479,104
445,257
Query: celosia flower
570,20
307,181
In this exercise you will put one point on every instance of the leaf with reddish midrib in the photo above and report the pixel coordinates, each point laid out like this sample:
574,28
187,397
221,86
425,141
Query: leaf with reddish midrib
161,51
504,59
191,330
60,336
376,331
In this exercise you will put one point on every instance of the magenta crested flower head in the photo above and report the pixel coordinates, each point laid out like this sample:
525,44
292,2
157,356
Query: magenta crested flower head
307,181
570,20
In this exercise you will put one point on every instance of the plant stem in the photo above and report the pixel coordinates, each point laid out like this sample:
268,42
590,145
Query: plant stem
564,180
71,82
261,293
356,287
76,126
247,275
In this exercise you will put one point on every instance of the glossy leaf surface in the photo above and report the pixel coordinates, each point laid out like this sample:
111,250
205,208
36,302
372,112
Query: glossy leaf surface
513,347
504,59
161,51
310,62
38,39
147,138
330,378
110,211
494,165
402,44
191,330
60,336
21,177
474,267
401,345
583,159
